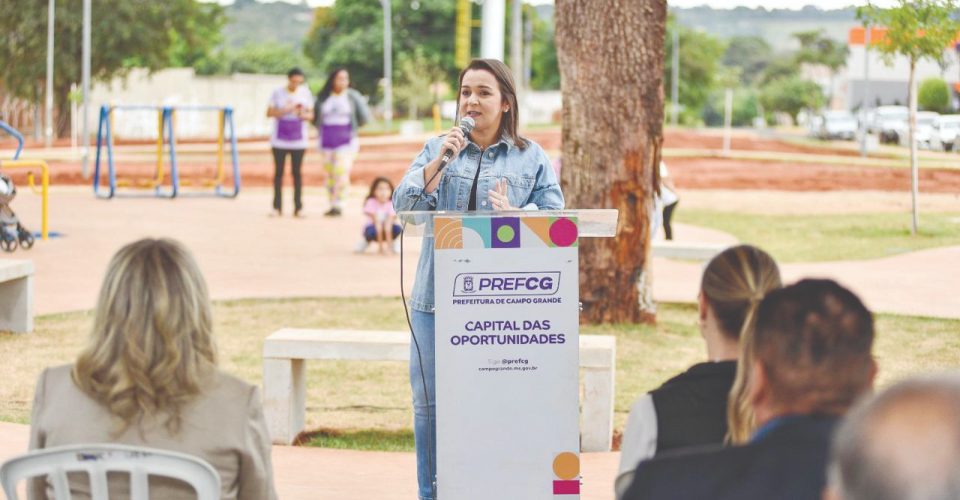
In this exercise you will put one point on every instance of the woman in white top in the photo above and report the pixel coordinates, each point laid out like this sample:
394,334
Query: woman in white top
292,106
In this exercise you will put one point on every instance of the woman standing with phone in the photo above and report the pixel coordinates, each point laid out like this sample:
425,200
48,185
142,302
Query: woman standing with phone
291,106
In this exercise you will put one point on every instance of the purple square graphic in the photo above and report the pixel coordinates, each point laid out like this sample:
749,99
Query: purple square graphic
505,232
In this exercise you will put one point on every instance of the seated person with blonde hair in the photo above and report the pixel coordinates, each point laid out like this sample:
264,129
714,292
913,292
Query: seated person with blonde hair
149,377
691,409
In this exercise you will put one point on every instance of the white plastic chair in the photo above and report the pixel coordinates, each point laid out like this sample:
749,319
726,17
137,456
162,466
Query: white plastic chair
99,459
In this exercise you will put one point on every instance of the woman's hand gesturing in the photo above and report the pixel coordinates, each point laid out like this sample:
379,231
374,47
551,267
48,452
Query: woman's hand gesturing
498,196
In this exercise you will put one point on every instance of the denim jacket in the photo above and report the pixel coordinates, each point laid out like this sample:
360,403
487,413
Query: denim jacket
531,183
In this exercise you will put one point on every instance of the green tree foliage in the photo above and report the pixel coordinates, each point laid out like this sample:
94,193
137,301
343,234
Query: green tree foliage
266,57
350,34
544,71
750,54
782,67
131,33
745,108
790,95
817,48
916,29
416,72
700,56
934,95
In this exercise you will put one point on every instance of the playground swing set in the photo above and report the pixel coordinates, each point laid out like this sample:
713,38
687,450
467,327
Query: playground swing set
166,140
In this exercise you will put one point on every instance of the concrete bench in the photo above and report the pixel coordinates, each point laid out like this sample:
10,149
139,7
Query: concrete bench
16,296
686,250
284,376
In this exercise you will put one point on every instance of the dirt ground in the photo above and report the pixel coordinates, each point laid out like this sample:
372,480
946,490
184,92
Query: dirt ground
720,173
391,159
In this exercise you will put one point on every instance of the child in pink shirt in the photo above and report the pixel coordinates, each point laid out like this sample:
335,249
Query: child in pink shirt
382,225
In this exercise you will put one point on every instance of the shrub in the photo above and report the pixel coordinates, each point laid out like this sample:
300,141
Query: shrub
934,95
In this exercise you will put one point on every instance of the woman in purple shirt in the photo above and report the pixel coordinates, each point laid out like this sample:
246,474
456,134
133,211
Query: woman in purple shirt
340,112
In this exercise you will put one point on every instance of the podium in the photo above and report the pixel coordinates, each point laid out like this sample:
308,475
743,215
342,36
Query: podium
507,346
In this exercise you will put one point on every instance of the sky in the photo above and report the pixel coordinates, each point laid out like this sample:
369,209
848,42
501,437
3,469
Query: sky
717,4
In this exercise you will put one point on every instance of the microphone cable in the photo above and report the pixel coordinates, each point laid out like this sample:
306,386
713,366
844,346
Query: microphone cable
423,378
466,125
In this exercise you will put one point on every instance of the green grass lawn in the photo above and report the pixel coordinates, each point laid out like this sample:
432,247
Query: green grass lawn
814,238
366,405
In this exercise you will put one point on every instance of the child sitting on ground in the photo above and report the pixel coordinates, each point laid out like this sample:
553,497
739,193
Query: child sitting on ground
382,226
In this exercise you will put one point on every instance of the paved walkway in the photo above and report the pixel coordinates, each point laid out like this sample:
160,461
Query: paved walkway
922,283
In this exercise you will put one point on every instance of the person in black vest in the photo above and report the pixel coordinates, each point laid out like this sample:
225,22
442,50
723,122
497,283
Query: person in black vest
691,408
811,358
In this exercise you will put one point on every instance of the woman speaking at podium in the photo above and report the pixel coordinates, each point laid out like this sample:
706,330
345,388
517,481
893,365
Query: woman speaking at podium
488,168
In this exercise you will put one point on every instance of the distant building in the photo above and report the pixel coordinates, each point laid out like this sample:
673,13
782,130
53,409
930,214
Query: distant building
888,84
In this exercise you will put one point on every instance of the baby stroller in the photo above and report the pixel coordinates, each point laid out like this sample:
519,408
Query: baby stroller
12,233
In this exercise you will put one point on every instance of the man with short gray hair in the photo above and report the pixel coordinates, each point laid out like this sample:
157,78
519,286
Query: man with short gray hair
901,445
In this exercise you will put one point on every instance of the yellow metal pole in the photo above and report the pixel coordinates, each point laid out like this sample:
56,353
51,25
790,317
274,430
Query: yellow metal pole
159,174
462,38
44,187
44,201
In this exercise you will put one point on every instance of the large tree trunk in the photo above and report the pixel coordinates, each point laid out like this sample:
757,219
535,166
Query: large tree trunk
610,55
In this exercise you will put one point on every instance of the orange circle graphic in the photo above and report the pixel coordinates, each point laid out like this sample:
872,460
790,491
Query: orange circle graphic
566,465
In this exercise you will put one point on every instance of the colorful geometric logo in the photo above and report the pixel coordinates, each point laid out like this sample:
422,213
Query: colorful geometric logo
504,232
566,466
447,232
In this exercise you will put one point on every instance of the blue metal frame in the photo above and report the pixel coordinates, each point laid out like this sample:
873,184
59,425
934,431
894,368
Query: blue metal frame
16,135
105,138
228,119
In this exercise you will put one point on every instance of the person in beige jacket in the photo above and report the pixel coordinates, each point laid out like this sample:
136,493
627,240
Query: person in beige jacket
149,377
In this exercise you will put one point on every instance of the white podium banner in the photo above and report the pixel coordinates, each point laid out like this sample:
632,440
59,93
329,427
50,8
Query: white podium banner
507,347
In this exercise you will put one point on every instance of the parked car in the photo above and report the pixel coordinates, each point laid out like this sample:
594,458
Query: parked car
838,124
923,133
887,121
945,130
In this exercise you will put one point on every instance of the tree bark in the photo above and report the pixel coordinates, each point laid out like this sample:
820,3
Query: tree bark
610,54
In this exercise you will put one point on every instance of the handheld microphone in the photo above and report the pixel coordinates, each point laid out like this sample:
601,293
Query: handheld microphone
466,125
